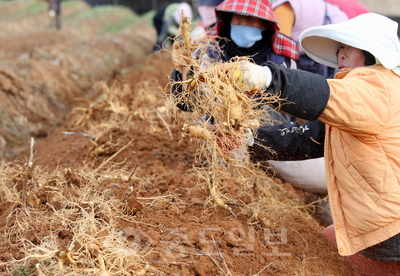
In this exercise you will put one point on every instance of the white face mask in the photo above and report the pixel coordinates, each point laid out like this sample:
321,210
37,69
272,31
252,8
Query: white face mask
245,36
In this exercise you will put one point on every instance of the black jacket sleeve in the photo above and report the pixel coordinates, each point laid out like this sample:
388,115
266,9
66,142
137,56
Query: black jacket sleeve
304,94
291,141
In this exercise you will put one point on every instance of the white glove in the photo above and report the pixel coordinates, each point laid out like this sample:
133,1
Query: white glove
252,77
52,13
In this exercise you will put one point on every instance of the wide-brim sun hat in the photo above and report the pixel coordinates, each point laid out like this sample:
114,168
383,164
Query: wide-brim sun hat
371,32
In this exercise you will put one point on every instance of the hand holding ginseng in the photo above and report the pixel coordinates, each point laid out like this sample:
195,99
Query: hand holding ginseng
249,77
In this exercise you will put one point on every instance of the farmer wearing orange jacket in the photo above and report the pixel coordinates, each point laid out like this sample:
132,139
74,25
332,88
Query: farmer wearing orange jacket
361,110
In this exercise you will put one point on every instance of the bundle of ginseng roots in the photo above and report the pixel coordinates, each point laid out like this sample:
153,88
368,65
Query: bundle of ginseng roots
225,117
222,113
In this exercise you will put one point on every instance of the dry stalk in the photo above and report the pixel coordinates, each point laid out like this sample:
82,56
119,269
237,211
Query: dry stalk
28,173
165,124
221,257
162,201
136,165
112,157
268,265
123,176
311,203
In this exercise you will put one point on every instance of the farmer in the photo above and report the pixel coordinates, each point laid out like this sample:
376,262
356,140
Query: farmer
167,20
206,9
361,111
352,8
250,29
295,16
54,11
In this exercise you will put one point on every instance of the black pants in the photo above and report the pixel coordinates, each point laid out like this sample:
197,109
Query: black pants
388,250
55,5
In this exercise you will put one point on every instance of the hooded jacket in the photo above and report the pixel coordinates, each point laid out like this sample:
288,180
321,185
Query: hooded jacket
167,20
281,45
311,13
274,46
352,8
361,111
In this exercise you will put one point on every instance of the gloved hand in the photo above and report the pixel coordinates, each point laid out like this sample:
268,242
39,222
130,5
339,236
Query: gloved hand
250,77
52,13
180,56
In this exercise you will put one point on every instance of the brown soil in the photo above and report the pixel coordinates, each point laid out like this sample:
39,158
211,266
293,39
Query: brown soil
168,216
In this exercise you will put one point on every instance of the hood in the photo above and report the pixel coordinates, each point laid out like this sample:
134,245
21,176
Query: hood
261,9
281,44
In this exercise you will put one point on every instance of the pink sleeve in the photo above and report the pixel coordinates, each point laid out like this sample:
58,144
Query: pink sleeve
351,7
